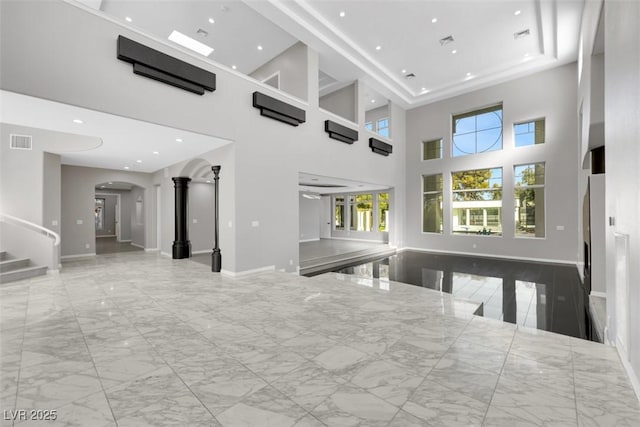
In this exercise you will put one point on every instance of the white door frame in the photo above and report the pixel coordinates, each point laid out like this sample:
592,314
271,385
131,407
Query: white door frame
326,216
159,217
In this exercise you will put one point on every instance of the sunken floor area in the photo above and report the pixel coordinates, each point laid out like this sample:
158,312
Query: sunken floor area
137,339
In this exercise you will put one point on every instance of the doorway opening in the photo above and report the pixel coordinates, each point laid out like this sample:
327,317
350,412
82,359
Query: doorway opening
119,217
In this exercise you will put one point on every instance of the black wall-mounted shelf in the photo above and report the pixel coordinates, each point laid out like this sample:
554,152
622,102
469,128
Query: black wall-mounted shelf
278,110
340,133
164,68
380,147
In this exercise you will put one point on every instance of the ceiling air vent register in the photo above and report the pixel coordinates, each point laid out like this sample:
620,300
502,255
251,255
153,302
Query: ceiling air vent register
20,142
446,40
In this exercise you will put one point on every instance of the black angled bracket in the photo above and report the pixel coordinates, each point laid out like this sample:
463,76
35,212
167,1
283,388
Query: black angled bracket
278,110
340,133
164,68
380,147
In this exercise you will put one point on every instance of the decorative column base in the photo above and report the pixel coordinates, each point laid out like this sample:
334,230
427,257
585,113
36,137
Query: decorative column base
181,250
216,261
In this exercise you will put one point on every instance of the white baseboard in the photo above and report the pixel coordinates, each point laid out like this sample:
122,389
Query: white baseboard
105,235
165,254
580,267
518,258
124,241
635,382
309,240
360,240
206,251
152,249
53,272
248,272
599,294
137,245
78,256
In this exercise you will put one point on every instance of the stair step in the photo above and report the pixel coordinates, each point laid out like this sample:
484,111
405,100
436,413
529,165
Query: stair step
22,273
13,264
4,256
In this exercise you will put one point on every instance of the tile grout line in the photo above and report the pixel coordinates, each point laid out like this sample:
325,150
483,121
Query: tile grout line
499,376
24,332
93,363
573,378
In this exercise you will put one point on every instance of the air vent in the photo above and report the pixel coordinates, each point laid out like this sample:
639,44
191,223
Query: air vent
446,40
521,34
409,76
202,32
21,142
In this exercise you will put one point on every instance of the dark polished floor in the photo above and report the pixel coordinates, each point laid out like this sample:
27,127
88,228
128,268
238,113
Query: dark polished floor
536,295
109,245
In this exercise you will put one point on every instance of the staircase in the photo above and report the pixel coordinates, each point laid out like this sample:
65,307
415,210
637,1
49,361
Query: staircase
12,269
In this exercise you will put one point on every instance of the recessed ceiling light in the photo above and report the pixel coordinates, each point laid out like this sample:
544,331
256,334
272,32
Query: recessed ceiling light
138,161
378,47
434,20
126,167
189,43
342,14
178,139
128,19
517,12
110,183
423,89
211,20
156,152
454,51
78,121
404,71
468,74
234,67
373,101
259,47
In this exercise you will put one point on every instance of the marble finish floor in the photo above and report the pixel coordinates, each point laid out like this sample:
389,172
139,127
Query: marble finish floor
109,245
141,340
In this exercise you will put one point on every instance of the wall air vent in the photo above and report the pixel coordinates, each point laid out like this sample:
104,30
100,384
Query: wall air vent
339,132
409,76
20,142
278,110
380,147
521,34
446,40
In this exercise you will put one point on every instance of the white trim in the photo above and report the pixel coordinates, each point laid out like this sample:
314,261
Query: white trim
361,240
124,241
519,258
276,74
168,255
248,272
152,249
580,267
635,382
32,226
206,251
136,245
193,56
105,235
78,256
53,272
337,117
309,240
599,294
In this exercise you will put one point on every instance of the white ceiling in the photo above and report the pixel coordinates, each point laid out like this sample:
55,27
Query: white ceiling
317,184
124,141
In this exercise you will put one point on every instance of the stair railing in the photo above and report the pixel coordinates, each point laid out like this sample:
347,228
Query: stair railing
39,244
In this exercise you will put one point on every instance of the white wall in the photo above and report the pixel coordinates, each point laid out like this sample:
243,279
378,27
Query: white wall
51,191
622,136
292,67
550,94
78,193
309,218
267,154
201,197
341,102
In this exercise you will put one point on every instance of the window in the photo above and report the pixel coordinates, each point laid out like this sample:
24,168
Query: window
383,212
478,131
383,127
369,126
477,201
361,212
529,200
432,203
432,149
339,212
529,133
